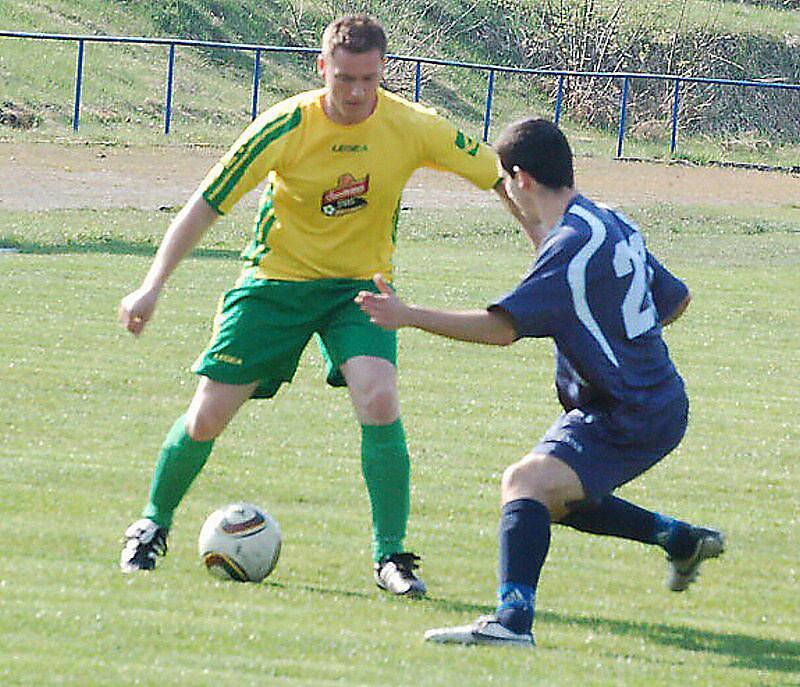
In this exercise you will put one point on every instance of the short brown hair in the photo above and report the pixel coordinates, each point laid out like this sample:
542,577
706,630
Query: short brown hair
540,148
357,33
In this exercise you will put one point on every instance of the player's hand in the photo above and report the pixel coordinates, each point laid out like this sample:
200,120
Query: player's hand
136,309
384,309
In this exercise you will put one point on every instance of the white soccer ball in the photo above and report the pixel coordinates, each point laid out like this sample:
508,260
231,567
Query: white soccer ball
240,542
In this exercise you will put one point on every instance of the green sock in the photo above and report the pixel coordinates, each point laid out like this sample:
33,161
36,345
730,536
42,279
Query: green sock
387,472
179,462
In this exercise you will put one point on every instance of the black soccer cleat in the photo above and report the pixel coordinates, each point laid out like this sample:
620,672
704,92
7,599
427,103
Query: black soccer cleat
395,574
684,571
145,541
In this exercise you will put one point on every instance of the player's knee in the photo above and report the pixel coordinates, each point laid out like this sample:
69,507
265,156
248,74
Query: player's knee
520,479
509,479
203,426
381,405
531,478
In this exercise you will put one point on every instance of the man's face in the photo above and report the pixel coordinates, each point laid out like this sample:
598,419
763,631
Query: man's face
519,188
514,185
351,81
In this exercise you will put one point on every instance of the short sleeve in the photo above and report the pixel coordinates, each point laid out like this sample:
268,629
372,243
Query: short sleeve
250,159
668,291
452,150
536,304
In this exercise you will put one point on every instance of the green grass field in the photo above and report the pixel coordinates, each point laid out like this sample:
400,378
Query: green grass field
84,407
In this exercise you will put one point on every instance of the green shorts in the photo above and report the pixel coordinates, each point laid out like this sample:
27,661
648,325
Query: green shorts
263,325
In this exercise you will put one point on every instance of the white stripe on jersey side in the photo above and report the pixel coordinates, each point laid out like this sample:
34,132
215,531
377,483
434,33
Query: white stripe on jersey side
576,277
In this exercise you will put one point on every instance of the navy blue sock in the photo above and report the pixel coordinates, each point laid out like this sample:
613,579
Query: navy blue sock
615,517
524,541
674,536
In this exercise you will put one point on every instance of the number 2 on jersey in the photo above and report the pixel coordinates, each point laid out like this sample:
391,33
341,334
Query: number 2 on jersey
638,311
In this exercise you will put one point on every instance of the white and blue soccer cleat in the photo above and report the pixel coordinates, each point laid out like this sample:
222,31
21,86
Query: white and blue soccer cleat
684,571
485,630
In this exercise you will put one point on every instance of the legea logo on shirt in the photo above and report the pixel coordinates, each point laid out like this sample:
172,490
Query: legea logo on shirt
349,148
346,196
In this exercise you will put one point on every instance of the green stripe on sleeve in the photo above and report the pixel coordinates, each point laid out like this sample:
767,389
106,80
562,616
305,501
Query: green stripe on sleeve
241,154
223,186
207,198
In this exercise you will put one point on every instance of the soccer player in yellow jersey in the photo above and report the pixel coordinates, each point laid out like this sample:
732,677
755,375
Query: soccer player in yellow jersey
335,161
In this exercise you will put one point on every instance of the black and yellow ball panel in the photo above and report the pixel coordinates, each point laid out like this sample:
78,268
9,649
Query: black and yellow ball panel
220,565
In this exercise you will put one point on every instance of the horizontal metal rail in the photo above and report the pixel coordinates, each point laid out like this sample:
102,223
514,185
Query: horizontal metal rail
493,69
142,40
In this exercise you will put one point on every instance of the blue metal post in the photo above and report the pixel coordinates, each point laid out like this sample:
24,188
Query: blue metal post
417,81
674,137
559,99
168,106
76,115
256,80
487,117
622,112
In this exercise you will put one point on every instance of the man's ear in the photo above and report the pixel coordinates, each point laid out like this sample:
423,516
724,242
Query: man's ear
525,181
321,65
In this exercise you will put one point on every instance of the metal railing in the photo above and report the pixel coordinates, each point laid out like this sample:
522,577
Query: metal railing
258,50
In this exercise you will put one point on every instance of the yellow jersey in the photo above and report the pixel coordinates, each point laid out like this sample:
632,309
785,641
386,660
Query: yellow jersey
332,197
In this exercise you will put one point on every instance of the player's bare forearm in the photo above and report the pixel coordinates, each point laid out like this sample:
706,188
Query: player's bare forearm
136,309
477,326
474,326
679,310
183,234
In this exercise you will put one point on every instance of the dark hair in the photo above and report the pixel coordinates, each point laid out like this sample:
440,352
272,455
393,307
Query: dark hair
540,148
356,33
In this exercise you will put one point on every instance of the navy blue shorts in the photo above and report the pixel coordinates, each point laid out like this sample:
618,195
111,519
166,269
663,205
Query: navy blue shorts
606,456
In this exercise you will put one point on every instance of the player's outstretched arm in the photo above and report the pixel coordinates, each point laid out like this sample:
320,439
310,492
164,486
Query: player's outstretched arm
136,309
477,326
670,294
678,311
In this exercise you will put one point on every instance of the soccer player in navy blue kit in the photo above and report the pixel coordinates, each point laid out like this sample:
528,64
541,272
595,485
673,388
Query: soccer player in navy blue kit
603,298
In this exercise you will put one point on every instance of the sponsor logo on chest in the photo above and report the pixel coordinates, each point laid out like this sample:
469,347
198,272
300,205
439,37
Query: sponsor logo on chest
346,196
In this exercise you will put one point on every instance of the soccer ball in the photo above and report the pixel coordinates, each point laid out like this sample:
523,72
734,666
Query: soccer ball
240,542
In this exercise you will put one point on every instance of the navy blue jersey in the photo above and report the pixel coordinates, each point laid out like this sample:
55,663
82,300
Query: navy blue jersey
598,292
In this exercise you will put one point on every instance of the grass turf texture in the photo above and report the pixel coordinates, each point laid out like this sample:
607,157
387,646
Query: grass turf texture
84,407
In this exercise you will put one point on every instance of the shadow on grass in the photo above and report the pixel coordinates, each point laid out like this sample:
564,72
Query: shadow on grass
755,653
324,591
748,652
110,247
